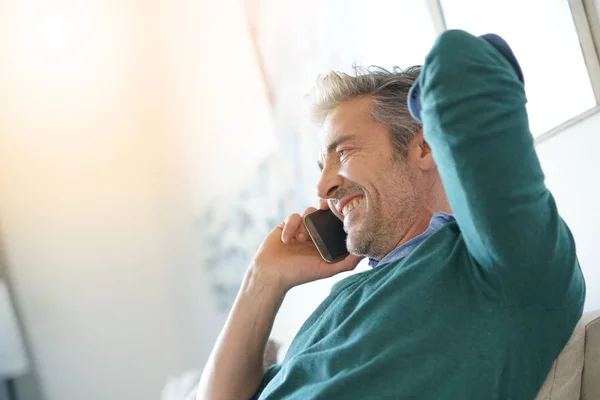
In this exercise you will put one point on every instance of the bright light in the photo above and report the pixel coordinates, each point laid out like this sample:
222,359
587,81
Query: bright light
69,68
61,44
61,38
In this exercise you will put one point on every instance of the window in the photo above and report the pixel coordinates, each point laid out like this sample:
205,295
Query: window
543,37
554,40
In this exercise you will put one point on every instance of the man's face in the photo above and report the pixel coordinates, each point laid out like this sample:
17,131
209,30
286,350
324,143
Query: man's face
367,183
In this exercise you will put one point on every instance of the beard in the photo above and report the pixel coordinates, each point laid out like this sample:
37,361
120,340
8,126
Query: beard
387,219
366,239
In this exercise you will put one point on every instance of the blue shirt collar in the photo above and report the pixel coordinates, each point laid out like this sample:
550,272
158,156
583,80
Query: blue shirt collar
438,220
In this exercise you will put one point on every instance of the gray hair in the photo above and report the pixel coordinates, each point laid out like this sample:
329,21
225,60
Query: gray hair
389,90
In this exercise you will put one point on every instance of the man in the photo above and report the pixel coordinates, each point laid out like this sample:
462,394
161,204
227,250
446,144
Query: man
475,287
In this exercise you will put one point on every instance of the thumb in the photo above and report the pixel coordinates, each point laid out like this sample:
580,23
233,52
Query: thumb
347,264
323,204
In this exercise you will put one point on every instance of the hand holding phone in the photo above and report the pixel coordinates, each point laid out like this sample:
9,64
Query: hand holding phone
327,233
288,257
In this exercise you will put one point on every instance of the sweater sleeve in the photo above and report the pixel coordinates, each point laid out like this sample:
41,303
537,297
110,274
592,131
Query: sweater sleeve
475,120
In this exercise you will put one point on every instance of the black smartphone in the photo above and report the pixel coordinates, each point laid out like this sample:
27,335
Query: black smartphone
327,233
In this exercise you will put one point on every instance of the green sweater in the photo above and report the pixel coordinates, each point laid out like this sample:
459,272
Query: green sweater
481,308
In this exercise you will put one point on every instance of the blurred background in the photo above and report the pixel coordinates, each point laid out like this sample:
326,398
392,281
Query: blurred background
147,147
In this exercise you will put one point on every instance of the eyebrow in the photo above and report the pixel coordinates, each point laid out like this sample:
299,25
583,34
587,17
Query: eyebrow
333,145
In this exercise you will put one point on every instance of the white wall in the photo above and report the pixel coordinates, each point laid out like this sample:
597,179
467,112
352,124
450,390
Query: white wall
571,164
221,120
84,197
117,123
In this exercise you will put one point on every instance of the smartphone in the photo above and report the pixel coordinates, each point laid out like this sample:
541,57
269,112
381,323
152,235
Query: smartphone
327,233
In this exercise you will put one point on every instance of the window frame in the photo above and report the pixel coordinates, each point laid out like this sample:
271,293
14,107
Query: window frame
587,26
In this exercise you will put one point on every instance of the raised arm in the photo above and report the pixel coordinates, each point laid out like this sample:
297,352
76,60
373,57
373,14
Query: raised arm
475,120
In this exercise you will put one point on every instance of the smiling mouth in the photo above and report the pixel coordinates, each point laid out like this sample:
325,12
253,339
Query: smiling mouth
351,205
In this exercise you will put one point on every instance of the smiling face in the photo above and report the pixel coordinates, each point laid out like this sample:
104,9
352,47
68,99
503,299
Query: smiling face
368,184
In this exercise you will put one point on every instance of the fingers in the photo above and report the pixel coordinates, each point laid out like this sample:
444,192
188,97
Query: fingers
293,229
308,211
290,227
302,232
347,264
323,204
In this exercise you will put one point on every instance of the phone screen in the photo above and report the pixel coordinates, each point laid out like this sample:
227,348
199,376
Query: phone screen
327,233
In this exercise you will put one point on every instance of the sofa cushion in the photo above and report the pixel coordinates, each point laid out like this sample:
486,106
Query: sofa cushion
590,388
564,380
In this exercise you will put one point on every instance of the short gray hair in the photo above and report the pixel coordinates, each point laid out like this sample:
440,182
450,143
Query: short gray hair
389,90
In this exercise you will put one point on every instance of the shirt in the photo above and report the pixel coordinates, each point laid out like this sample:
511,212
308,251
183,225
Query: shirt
437,221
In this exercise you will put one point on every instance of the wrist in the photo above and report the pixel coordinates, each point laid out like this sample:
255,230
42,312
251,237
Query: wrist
263,283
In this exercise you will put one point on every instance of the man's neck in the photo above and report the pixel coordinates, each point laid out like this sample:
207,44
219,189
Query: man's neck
433,201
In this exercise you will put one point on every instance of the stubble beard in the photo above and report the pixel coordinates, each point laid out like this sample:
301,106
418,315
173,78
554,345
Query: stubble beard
366,240
378,234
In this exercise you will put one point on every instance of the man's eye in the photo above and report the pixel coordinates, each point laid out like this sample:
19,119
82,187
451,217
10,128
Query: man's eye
342,153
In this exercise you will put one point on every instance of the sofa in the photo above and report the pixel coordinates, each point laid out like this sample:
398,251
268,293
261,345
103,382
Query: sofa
576,371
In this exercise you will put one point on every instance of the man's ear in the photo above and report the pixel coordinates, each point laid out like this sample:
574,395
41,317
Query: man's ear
424,157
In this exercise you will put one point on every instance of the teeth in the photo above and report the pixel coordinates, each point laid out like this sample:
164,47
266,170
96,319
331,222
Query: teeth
351,205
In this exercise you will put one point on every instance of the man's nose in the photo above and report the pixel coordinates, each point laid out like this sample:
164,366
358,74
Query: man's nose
329,183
